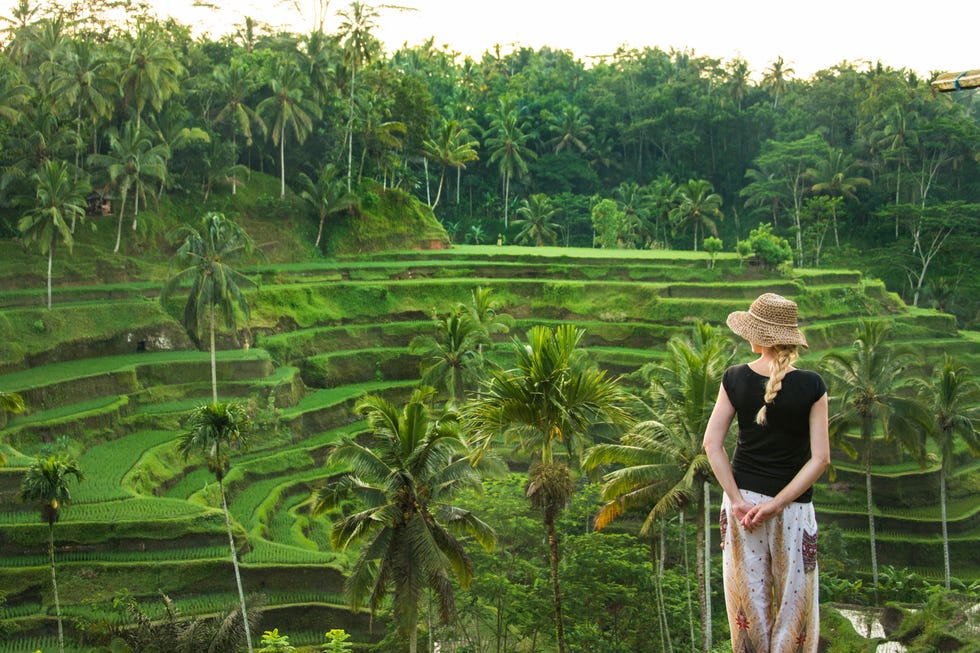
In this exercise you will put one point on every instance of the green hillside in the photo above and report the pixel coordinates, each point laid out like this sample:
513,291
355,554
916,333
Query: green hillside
110,375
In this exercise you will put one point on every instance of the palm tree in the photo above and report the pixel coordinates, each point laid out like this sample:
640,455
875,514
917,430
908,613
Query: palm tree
663,466
869,394
327,196
47,483
60,199
10,402
571,127
452,148
234,86
149,69
288,108
508,144
535,221
551,398
833,176
952,397
776,79
132,159
695,202
215,430
359,47
82,78
204,259
452,358
406,479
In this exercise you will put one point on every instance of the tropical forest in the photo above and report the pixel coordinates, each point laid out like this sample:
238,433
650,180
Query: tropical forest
314,343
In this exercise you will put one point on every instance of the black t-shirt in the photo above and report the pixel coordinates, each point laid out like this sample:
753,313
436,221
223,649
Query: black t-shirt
768,456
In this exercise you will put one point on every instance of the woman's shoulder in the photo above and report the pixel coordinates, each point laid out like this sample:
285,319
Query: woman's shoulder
808,378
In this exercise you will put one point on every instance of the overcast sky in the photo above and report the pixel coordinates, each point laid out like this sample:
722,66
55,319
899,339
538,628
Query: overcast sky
921,36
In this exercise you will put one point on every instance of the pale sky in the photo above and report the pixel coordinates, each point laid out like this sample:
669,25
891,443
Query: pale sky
921,36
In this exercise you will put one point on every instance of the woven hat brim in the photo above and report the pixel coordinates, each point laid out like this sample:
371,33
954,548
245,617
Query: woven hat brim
747,326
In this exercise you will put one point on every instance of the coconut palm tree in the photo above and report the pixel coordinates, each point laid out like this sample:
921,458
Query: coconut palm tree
215,430
81,78
204,259
150,71
507,141
834,176
662,466
406,480
288,108
234,84
535,221
359,47
571,128
696,201
952,397
327,196
60,200
47,483
132,160
868,391
452,358
452,148
550,399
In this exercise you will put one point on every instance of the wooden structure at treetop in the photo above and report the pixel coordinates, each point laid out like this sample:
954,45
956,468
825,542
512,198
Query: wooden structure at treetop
957,81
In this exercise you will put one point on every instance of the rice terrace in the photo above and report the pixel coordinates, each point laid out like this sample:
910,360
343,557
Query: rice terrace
309,346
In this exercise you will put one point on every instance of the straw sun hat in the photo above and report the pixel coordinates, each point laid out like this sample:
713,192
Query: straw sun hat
771,320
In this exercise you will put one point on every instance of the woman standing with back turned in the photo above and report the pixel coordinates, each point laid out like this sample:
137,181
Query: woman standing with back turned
768,527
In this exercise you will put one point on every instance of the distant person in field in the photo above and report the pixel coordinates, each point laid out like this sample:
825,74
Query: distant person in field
768,526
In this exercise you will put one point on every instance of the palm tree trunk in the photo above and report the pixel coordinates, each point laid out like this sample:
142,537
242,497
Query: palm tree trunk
942,503
214,362
54,589
122,209
234,564
556,584
282,163
506,197
704,525
871,517
687,575
50,261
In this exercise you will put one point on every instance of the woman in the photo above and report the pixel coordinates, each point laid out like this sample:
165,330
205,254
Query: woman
768,527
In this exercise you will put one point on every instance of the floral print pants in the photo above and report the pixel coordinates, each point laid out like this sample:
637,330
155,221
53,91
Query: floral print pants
771,586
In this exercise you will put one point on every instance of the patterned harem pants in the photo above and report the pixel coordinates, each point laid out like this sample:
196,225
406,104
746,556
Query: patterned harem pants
771,586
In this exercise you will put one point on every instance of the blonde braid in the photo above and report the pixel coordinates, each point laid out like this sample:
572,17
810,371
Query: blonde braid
784,356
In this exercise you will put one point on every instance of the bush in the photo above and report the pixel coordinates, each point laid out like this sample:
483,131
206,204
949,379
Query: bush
768,247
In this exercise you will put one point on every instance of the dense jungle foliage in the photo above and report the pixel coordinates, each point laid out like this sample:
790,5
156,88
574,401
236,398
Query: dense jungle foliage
861,163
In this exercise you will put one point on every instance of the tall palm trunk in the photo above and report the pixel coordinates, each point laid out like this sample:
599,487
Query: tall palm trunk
50,261
687,575
122,210
214,361
942,503
282,163
866,438
555,582
704,571
234,564
54,588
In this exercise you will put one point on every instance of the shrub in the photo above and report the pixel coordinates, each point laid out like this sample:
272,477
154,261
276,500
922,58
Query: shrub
768,247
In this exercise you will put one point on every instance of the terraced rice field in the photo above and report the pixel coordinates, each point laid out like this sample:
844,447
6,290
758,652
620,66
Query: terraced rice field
322,336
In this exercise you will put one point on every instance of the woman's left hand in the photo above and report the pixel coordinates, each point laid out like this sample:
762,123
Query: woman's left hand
760,513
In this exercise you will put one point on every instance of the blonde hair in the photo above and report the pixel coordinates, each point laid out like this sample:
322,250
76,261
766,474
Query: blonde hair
783,358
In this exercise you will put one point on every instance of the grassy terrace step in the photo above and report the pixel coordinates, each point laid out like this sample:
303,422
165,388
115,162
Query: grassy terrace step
27,432
77,294
323,410
36,336
145,365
